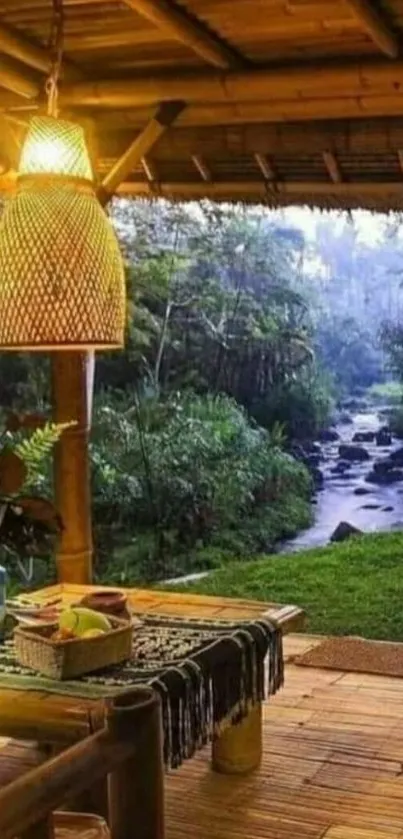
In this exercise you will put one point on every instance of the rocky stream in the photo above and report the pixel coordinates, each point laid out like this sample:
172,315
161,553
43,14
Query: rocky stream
358,470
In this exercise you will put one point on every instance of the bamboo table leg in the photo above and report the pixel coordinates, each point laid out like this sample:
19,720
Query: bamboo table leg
239,749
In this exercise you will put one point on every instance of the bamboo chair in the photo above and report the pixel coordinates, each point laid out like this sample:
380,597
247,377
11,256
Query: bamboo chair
128,750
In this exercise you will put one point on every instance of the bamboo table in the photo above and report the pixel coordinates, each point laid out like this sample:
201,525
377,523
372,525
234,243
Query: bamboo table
63,720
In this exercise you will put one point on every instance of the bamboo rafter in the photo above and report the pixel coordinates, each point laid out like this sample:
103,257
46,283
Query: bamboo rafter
165,116
201,167
332,166
376,26
183,27
266,166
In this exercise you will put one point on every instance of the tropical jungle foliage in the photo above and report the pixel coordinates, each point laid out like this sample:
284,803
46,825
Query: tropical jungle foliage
242,333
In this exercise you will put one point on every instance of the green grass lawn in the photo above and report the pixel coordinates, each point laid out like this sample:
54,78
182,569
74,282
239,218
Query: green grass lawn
352,588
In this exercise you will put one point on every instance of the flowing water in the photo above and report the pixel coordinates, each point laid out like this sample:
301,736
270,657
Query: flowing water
380,509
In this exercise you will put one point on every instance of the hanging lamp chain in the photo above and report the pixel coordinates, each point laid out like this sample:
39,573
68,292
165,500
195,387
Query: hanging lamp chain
56,52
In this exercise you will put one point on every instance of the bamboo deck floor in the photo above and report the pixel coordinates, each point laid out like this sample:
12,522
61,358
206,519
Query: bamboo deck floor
332,765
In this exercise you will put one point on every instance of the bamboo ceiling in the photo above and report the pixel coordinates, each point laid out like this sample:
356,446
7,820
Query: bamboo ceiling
279,101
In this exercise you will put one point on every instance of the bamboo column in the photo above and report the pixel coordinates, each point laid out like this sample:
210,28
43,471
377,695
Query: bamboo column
136,786
72,389
72,376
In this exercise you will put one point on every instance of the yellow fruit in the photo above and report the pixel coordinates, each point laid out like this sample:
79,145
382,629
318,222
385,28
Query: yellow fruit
80,620
92,633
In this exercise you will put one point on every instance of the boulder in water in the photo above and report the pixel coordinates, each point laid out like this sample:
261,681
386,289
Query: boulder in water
328,435
351,452
317,477
381,467
312,460
343,531
364,437
345,418
385,478
383,437
397,457
387,509
341,467
362,491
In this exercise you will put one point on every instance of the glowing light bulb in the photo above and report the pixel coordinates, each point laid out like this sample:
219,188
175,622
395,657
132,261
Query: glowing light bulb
55,147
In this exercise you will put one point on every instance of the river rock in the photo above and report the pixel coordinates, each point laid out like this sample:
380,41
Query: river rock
345,418
312,460
328,435
311,448
385,478
341,467
364,437
351,452
397,457
362,491
387,509
343,531
383,437
317,477
381,467
370,506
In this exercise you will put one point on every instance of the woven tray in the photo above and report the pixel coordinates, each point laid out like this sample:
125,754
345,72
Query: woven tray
69,659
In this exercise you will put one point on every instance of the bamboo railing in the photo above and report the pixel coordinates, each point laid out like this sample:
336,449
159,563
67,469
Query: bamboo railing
128,750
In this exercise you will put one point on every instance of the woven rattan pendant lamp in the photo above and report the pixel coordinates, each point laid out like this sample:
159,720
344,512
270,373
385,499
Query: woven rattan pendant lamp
61,272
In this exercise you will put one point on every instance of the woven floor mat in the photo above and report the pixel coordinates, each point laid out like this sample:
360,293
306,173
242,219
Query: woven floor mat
355,655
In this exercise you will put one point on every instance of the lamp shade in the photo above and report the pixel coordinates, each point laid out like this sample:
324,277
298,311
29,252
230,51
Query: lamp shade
61,273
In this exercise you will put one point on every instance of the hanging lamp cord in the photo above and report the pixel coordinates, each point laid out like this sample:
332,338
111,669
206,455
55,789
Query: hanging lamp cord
56,51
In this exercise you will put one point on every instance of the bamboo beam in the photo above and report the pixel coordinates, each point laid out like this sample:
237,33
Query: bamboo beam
13,77
344,80
149,170
265,166
400,159
165,116
201,167
20,48
332,166
257,189
375,25
187,29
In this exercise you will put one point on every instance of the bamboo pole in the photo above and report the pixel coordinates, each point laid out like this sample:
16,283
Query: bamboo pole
178,24
266,167
235,190
71,385
374,23
347,79
165,116
13,77
136,786
201,167
332,166
23,50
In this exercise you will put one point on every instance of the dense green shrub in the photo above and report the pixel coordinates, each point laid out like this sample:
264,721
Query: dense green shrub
176,475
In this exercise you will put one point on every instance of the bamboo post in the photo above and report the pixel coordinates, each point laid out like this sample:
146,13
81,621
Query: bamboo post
41,830
238,750
72,387
136,787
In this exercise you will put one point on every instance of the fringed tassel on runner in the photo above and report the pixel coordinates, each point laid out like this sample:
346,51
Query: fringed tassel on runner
218,687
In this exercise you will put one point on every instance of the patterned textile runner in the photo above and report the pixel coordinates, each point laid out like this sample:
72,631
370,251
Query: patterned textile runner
208,674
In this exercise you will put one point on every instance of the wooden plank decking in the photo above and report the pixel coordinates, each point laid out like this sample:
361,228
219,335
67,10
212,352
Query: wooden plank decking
332,766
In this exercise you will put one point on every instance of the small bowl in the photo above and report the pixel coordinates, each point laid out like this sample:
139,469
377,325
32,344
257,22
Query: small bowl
108,602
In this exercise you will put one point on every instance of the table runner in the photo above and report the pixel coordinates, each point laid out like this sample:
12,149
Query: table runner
208,673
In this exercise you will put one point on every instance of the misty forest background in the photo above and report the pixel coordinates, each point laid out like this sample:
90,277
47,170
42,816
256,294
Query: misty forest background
243,337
